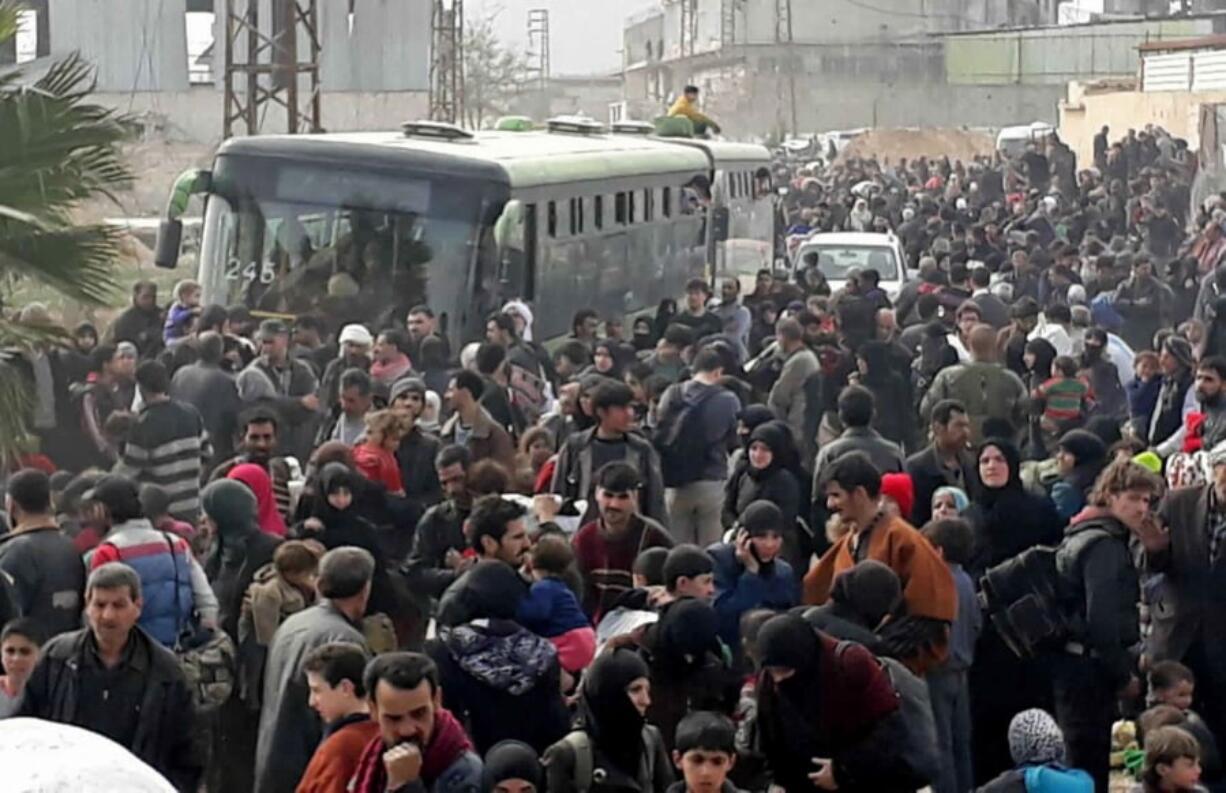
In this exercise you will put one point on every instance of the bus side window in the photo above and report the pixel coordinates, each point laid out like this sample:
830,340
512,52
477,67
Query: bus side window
574,217
667,202
649,205
581,205
598,212
552,222
620,206
631,215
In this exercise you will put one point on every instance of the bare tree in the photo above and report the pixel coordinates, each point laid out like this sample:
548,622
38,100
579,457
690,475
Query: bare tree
494,74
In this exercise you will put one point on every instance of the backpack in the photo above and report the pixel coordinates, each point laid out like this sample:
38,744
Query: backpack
920,751
584,770
1030,598
681,438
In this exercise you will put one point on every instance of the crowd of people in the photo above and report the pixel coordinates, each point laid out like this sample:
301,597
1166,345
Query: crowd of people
783,538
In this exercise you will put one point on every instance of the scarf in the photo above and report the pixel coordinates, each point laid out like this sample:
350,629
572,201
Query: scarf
391,371
447,745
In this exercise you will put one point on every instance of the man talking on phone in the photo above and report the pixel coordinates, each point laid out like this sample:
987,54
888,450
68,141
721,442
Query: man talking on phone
749,573
420,745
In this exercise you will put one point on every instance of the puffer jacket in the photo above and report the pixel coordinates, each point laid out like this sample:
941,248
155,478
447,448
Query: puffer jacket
173,585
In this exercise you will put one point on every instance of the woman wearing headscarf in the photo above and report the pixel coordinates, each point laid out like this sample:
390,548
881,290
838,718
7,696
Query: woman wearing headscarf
624,752
819,698
499,678
605,360
763,474
1081,457
260,484
369,498
949,502
336,521
239,550
666,312
879,374
512,767
860,218
1006,521
686,662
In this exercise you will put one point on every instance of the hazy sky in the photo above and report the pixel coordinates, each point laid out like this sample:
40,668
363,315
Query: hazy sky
585,35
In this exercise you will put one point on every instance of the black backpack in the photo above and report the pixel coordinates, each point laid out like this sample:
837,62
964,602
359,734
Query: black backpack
681,438
1032,600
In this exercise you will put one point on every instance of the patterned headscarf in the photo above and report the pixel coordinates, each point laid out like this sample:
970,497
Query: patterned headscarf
1035,738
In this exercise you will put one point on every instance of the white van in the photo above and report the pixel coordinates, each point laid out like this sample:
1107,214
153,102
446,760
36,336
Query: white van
1011,141
840,252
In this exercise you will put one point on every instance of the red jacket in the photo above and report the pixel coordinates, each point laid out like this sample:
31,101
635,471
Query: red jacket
336,759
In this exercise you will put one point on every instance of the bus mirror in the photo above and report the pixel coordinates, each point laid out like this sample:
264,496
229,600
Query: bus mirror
170,236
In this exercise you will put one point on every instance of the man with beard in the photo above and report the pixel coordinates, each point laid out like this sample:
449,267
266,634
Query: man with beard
420,745
256,444
141,322
1209,385
1144,302
439,543
852,488
606,548
355,341
418,448
946,461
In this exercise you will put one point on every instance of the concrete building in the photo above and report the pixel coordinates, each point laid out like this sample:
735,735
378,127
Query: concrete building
906,68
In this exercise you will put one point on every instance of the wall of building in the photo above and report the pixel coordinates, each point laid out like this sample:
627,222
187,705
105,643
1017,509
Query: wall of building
136,45
195,115
1085,111
1055,55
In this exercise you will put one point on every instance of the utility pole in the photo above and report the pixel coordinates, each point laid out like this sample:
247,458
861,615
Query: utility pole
447,61
262,66
784,39
538,56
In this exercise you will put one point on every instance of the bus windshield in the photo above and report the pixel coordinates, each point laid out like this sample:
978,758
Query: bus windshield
287,237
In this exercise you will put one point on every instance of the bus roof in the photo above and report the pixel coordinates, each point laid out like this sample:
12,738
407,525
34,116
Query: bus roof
519,159
724,153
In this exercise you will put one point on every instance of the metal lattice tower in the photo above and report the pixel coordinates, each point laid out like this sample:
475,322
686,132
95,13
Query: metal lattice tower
447,61
262,67
538,47
689,27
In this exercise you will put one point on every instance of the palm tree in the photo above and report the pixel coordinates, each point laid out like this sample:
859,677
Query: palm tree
56,150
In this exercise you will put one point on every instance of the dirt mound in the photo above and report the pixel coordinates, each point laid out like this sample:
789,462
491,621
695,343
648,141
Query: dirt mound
894,144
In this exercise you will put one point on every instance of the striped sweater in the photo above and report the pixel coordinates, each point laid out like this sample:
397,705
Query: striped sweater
167,447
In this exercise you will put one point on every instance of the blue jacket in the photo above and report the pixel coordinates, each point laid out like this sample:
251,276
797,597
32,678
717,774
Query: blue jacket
551,609
737,590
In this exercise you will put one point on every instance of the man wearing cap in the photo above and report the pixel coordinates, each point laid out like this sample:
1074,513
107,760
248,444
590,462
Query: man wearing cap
749,571
1011,340
286,385
356,343
418,449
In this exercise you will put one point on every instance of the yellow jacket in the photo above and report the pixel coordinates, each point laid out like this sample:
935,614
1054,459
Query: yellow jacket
684,107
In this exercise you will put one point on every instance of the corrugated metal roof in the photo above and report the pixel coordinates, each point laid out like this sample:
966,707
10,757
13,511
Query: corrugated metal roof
1215,41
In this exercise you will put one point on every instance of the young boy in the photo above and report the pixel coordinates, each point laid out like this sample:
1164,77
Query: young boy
1172,762
947,684
1065,397
334,679
1143,391
1173,684
182,312
704,752
689,573
551,608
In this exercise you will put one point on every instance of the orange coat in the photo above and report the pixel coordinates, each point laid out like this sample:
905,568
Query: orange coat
336,759
927,585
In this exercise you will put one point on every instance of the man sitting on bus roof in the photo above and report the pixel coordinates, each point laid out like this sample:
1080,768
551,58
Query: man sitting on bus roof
686,106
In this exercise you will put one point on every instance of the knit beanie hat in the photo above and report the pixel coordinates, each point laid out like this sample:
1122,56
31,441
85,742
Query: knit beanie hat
1035,738
900,488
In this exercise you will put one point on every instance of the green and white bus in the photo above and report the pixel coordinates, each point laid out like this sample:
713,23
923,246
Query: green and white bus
359,227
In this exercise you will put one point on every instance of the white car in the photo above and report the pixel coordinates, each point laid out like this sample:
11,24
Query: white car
840,252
